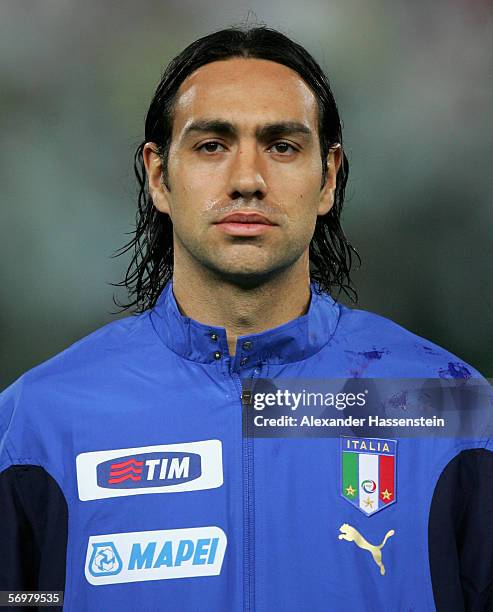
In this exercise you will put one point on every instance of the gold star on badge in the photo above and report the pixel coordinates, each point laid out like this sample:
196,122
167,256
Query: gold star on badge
386,494
350,490
368,502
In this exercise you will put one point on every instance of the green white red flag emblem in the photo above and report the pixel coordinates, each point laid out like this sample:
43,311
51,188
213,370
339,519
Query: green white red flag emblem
368,469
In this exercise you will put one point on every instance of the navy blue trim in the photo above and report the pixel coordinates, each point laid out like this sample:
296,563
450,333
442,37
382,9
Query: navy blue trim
460,534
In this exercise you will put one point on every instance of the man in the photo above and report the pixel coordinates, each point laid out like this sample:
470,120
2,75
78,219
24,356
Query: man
125,478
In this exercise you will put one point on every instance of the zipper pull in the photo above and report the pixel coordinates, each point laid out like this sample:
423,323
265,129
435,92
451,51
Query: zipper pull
246,397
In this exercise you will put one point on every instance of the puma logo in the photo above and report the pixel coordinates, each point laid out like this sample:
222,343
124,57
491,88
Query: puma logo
352,535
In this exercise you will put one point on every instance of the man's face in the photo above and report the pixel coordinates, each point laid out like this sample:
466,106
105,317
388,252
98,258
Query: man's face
245,142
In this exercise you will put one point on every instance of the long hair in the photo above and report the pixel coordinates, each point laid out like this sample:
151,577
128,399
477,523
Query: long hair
151,265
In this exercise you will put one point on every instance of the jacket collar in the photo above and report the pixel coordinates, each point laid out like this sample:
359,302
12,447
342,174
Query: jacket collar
293,341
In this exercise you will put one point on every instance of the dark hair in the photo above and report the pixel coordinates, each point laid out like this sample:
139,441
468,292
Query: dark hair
151,266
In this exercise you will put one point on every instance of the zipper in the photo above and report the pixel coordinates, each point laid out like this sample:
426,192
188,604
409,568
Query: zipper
245,396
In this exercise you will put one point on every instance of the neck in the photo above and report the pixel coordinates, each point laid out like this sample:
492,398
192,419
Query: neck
241,311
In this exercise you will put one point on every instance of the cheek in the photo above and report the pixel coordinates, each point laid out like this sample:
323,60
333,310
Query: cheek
301,219
298,183
301,199
302,212
192,188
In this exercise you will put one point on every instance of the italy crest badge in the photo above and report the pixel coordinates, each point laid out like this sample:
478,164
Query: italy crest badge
368,479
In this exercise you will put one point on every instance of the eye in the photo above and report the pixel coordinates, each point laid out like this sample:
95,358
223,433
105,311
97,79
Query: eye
283,148
210,147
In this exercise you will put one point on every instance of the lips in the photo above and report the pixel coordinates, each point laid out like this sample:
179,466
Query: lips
246,218
243,225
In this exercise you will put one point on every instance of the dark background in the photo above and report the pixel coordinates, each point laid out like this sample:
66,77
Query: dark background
413,88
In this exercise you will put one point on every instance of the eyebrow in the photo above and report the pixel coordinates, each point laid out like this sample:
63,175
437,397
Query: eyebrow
263,133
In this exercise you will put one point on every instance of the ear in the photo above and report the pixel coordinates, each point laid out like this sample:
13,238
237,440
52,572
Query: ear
334,160
154,168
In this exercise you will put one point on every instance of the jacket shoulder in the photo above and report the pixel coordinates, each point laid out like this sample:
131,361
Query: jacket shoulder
93,366
92,358
104,346
383,340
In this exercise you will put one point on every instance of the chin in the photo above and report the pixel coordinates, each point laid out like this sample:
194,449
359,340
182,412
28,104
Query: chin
246,277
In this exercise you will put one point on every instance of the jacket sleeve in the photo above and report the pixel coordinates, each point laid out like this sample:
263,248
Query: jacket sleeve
33,537
33,515
460,534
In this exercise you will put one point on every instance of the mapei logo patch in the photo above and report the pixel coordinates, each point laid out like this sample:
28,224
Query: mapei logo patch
169,468
368,473
155,555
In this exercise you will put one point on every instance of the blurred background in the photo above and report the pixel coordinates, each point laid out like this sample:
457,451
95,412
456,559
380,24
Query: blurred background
414,89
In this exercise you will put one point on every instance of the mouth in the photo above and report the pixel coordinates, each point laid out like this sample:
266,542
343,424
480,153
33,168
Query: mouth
245,224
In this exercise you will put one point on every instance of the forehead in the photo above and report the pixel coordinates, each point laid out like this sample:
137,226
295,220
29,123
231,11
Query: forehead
245,91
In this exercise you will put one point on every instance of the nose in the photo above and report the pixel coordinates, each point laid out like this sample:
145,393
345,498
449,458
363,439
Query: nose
246,178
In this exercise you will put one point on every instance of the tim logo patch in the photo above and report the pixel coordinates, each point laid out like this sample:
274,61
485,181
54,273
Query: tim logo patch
149,468
169,468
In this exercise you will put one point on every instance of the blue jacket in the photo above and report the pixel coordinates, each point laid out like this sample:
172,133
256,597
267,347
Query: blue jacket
127,483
